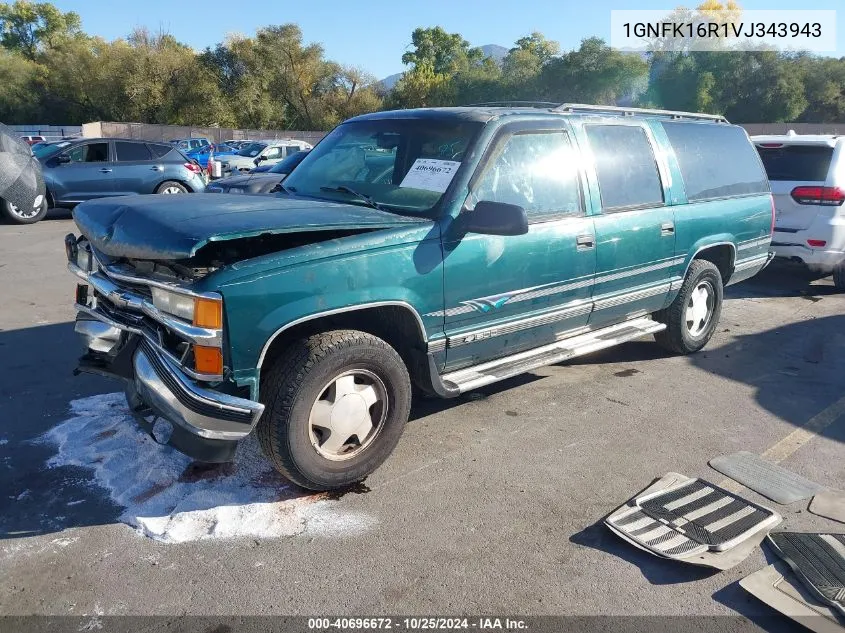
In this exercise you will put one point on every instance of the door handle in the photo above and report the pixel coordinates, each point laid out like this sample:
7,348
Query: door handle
667,228
105,171
157,168
585,242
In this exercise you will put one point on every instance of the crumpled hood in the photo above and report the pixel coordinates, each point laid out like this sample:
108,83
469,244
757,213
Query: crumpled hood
162,227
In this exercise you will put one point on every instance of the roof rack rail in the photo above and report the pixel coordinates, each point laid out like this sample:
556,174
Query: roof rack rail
514,104
625,111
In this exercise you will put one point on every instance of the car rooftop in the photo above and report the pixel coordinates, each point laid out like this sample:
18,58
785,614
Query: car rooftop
792,138
486,111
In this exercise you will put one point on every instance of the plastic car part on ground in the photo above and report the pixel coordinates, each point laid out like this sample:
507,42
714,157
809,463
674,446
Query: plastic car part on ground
21,182
829,504
770,480
778,587
692,521
818,560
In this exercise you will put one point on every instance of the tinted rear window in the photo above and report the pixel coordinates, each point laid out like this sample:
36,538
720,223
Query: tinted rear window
625,166
796,162
717,161
160,150
131,151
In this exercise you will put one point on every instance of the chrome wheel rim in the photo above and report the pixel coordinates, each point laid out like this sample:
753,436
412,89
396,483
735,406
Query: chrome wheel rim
348,414
36,209
700,308
171,190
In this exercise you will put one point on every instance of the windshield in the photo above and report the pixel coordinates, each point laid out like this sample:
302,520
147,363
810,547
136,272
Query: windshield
286,166
49,150
252,150
402,163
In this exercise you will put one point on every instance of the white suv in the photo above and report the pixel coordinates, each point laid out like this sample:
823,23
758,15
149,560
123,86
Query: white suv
262,153
807,176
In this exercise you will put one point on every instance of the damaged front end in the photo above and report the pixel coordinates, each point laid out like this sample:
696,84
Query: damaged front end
166,342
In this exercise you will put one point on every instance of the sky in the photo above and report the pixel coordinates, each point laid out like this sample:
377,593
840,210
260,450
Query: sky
373,34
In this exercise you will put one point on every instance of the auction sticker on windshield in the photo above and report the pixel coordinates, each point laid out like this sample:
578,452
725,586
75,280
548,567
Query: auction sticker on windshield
430,174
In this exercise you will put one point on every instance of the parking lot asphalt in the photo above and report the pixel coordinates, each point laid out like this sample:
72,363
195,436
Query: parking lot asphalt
491,504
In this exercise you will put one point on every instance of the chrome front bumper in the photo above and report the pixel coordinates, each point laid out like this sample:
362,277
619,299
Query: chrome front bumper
204,423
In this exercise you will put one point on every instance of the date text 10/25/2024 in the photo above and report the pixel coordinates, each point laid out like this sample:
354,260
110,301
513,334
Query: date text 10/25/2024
418,624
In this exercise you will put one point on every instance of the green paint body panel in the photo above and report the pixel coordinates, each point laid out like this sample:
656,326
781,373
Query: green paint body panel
487,296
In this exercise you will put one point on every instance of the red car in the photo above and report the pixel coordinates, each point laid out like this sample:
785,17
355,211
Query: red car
32,140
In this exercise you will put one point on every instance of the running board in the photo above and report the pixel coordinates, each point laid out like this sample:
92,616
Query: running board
479,375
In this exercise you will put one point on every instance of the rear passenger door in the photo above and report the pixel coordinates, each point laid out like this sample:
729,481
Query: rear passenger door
635,230
505,294
134,169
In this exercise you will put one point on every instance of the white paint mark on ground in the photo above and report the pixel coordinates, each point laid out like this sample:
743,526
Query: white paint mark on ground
169,500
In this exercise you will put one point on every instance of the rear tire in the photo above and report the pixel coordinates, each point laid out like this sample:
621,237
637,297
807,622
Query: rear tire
13,215
171,187
839,276
692,317
322,390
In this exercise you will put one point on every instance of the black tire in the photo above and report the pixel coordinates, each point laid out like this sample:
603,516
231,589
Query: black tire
677,336
297,379
171,184
12,217
839,276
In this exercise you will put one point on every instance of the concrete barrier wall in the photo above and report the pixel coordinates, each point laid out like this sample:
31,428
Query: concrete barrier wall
152,132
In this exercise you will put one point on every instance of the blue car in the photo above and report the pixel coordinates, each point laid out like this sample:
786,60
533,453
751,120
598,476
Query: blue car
101,167
202,154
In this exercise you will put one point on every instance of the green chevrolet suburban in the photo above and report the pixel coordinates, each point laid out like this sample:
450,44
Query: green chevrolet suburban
428,251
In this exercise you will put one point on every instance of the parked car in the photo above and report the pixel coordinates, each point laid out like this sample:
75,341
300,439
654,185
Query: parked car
253,182
807,175
22,194
264,152
103,167
190,144
500,239
202,154
32,140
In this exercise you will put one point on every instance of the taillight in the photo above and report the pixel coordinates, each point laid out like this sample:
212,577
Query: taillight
816,243
829,196
774,213
193,167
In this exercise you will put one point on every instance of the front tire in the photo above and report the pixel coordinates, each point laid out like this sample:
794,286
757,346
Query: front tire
336,405
14,215
692,317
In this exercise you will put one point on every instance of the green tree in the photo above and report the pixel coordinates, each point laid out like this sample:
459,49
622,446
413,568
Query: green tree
29,27
19,77
595,73
446,53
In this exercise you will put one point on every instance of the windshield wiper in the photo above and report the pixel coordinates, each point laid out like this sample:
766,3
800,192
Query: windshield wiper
344,189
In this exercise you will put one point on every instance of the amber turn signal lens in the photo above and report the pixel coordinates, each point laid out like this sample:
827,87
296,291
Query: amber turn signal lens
208,360
208,313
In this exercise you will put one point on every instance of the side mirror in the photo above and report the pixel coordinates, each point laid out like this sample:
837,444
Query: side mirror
494,218
62,158
259,159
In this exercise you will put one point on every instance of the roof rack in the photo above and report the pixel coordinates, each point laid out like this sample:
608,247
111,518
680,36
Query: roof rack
514,104
625,111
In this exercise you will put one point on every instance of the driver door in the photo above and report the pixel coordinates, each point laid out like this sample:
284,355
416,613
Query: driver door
506,294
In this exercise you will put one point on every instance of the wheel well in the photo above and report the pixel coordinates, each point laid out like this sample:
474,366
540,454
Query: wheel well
722,256
397,325
51,201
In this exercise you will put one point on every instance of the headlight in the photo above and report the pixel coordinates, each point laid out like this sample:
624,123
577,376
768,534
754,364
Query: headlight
235,190
214,190
174,303
204,312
